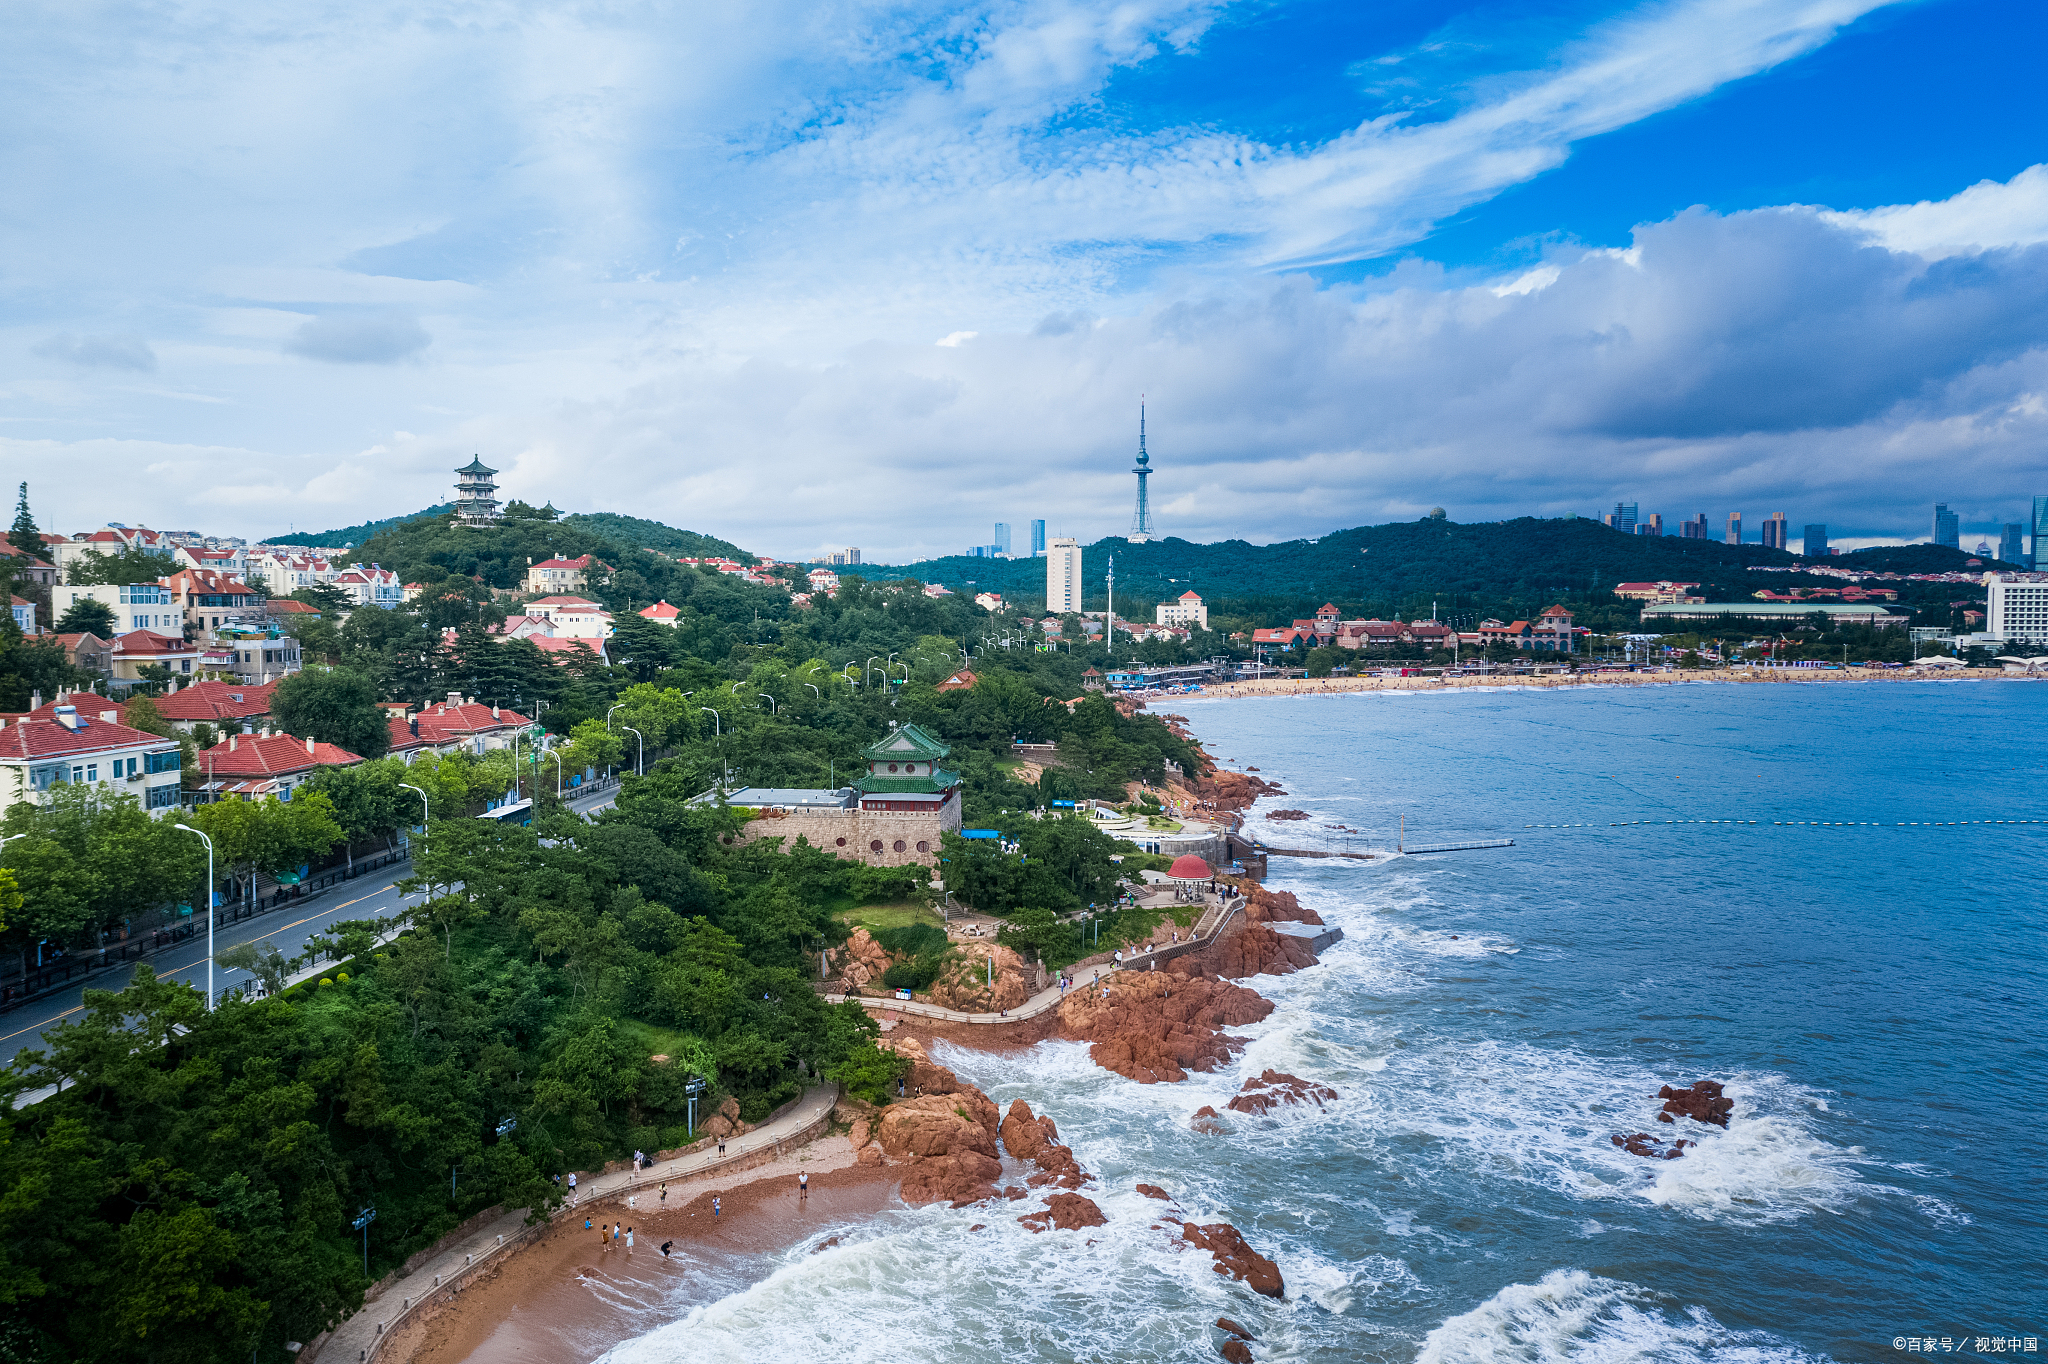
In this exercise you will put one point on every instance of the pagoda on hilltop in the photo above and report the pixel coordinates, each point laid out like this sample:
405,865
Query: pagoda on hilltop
476,494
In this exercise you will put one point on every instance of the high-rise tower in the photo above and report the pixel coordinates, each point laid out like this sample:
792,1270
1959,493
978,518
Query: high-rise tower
1141,520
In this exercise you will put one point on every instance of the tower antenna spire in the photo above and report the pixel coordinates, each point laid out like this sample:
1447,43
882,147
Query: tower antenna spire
1141,519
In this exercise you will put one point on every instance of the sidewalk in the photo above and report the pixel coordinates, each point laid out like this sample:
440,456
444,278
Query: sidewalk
355,1340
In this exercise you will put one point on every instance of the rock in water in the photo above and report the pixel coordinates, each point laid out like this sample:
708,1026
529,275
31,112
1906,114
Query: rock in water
1156,1025
1066,1212
1226,1324
1037,1140
947,1137
1154,1191
1236,1351
1256,950
1208,1122
1287,814
1235,1258
1701,1103
1274,1089
1643,1144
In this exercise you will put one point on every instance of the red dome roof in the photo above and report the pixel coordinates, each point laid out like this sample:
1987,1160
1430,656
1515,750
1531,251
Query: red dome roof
1188,867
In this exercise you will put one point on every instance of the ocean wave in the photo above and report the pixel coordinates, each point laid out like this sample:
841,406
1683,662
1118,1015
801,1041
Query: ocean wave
1573,1317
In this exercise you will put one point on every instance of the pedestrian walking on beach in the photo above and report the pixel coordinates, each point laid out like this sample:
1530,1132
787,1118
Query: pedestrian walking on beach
803,1186
629,1240
618,1233
714,1205
604,1236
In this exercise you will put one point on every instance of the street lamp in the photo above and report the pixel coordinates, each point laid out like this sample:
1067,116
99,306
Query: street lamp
640,751
816,695
209,912
426,811
608,718
717,723
773,709
558,770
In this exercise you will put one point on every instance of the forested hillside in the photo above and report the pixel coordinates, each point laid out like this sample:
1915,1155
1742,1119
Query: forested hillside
354,535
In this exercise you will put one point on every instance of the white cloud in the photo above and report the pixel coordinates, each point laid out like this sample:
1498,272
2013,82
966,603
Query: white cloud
1984,217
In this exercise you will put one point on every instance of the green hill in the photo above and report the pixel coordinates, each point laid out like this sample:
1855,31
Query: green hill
353,535
1503,568
641,534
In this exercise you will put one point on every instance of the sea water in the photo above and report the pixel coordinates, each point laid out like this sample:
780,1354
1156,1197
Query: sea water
1867,982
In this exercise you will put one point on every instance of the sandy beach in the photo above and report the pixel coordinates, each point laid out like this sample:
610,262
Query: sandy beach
566,1298
1309,686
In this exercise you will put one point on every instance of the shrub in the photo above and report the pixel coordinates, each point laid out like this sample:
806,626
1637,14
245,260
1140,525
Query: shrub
755,1105
325,982
912,940
914,974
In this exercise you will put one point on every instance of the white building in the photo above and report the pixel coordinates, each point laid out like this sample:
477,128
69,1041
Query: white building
1188,611
573,617
989,601
2017,606
285,573
558,575
1063,575
372,586
82,740
136,606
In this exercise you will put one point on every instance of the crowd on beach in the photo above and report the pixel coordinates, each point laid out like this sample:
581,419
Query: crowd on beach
1305,686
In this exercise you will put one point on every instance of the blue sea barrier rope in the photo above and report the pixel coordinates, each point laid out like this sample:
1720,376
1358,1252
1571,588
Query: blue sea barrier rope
1801,823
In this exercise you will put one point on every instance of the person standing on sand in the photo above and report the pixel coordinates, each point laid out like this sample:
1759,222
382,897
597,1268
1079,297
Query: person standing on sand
664,1191
604,1236
803,1186
714,1207
629,1240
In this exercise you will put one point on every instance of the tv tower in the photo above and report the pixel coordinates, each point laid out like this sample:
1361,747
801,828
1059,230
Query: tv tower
1141,520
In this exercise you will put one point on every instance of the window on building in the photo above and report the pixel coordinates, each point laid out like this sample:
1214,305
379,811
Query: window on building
923,846
163,762
162,796
899,845
842,842
92,771
875,845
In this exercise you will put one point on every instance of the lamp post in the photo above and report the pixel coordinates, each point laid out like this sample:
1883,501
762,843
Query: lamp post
816,695
362,1224
773,709
718,723
426,810
209,912
608,718
640,751
558,770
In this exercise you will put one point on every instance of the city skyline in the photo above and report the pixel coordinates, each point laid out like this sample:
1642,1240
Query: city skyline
1364,263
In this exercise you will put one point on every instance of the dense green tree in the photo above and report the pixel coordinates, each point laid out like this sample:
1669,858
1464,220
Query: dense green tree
124,566
87,616
332,705
23,534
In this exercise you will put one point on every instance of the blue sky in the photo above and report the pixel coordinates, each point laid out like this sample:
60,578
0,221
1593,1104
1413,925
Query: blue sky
883,274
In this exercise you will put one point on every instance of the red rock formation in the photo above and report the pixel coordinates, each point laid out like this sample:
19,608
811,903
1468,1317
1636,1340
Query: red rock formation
946,1135
1234,790
861,961
1154,1191
1024,1136
1208,1122
1643,1144
1273,906
1066,1212
964,983
1287,814
1275,1089
1158,1025
1226,1324
726,1121
1701,1103
1236,1351
1254,950
1235,1258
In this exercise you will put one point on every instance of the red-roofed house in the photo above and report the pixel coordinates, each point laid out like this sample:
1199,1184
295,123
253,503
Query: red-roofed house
963,680
372,586
573,617
1657,592
78,743
209,596
36,570
24,615
457,723
88,651
558,575
251,766
562,650
220,704
139,648
661,613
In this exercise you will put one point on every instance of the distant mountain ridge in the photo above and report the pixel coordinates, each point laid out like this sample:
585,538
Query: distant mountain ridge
353,535
1409,567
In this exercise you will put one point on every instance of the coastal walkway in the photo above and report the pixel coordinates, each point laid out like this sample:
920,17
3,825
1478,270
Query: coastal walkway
1213,922
482,1244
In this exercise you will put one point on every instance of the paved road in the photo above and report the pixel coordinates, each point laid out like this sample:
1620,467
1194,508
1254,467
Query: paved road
287,930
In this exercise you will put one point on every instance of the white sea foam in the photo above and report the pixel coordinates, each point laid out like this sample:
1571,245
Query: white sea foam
1572,1317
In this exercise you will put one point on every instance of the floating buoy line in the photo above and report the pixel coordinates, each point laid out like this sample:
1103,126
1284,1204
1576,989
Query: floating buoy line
1800,823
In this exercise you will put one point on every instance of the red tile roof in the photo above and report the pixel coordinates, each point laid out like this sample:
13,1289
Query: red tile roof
547,644
580,561
443,723
31,739
285,606
253,755
148,643
661,610
217,701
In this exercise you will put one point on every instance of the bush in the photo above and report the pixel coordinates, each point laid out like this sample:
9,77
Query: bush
646,1139
912,940
755,1105
915,974
869,1072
